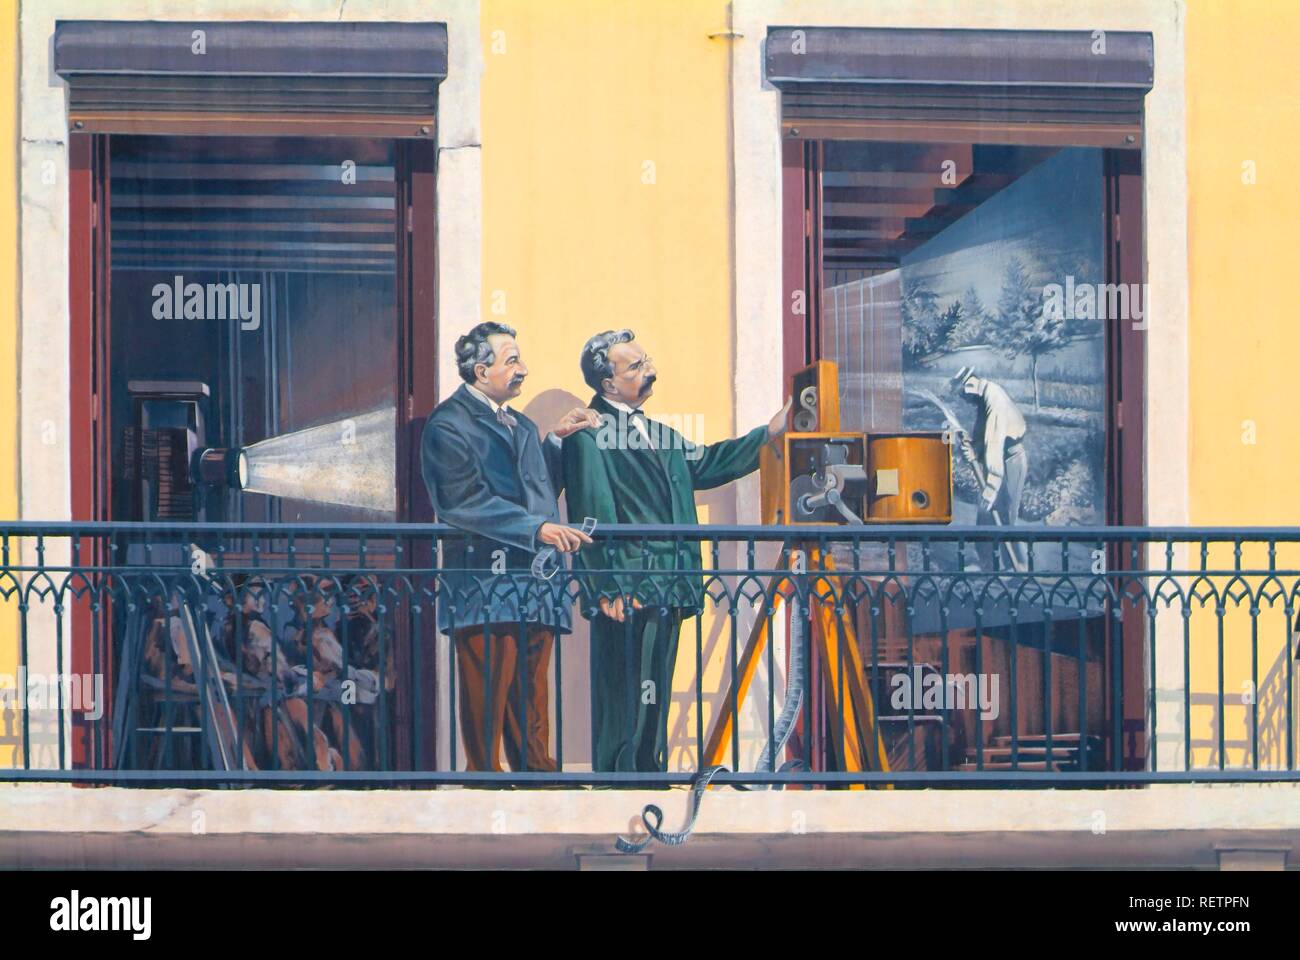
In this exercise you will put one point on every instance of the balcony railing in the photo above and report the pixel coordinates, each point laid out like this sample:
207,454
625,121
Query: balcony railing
297,654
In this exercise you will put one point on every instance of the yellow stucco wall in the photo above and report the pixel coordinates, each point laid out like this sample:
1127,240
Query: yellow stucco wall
606,205
579,98
1242,108
1242,113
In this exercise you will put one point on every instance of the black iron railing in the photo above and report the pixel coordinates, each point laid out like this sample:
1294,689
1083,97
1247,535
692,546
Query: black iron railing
159,654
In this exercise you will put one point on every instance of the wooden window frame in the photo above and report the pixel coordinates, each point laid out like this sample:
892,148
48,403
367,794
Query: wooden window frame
416,376
1125,348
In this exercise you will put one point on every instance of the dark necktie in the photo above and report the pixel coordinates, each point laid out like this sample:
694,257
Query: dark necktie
505,418
637,417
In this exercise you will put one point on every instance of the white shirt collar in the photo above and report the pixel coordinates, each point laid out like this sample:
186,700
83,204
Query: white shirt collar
620,405
485,398
638,422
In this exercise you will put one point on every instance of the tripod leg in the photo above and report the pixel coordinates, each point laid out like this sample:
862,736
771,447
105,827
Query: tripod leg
864,705
720,735
853,705
839,715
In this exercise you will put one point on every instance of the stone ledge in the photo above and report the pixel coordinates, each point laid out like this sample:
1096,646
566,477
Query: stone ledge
1163,826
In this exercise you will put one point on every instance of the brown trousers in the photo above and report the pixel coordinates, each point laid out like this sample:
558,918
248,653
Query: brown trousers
482,728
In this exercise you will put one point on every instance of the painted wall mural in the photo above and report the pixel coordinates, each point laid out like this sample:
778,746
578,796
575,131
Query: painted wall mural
974,296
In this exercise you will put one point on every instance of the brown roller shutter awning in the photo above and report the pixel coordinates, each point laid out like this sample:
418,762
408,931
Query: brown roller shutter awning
243,76
1036,87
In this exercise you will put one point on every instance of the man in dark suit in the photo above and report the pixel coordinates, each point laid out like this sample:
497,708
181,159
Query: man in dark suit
490,475
636,470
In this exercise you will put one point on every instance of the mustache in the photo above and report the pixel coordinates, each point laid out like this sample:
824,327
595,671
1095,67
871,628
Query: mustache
517,379
645,387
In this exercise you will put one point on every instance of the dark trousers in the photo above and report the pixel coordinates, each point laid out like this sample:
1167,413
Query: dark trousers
631,689
488,718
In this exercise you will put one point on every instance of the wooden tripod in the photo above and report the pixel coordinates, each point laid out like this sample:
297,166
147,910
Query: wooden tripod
852,709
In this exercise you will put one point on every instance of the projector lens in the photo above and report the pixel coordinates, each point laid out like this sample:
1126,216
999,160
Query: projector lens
222,466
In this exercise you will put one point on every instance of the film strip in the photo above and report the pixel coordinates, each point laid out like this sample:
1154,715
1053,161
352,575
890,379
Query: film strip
545,563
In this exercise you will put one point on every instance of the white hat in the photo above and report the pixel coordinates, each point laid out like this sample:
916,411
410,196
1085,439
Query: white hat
962,375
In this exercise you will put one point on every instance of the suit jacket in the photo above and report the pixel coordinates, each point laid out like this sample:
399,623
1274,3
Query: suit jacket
611,475
499,486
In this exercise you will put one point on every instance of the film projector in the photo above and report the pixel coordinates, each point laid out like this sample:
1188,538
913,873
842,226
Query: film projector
818,474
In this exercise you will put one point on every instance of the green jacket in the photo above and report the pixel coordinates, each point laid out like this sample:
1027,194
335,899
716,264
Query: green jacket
611,475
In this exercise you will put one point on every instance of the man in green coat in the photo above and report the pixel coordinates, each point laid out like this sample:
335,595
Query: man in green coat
640,471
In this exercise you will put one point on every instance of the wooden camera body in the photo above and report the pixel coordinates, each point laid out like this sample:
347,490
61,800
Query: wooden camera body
911,478
819,474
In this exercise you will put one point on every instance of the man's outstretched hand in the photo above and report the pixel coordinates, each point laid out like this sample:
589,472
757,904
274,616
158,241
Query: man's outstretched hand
779,424
562,538
579,418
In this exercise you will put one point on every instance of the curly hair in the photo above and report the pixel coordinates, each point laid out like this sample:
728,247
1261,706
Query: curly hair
473,348
595,356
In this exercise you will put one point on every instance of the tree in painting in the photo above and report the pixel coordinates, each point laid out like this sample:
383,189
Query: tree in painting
969,322
922,323
1025,328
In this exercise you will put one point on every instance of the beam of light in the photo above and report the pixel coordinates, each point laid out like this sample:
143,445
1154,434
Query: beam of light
351,462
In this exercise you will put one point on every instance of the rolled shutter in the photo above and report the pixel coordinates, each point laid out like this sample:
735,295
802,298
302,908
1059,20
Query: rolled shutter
1063,88
131,76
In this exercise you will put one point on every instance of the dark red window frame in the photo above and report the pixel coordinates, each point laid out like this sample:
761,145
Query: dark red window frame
90,272
1124,262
